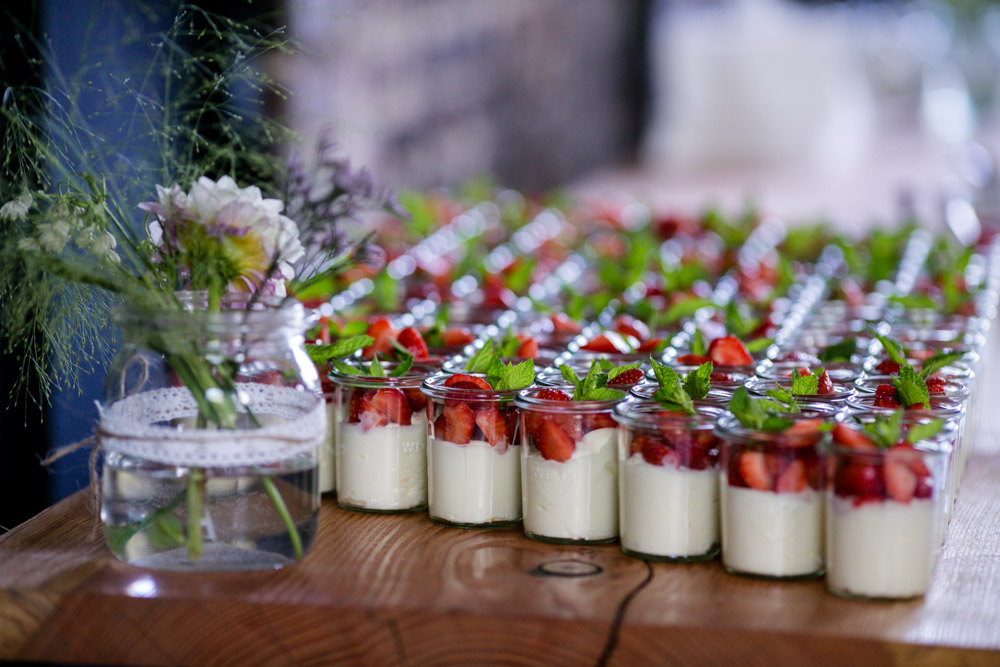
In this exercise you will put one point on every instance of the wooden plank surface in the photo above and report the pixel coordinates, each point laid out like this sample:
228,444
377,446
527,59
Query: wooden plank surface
400,590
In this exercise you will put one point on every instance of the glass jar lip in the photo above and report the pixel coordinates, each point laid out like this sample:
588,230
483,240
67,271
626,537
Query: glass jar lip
413,377
936,446
939,406
910,417
759,387
433,386
634,412
730,428
238,312
526,400
953,389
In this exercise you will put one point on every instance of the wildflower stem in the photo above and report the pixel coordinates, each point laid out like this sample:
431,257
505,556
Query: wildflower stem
286,517
195,496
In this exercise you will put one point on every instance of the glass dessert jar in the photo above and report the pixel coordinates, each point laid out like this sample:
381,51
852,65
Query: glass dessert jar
473,453
833,393
381,434
884,514
569,467
772,502
668,482
210,431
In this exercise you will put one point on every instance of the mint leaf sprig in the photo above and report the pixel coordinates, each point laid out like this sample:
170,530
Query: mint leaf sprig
677,396
504,377
887,430
806,385
481,361
375,368
911,389
321,353
937,362
892,348
594,386
759,414
842,351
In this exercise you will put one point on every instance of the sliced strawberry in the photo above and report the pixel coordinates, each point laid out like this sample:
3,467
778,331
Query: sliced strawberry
656,452
456,337
462,381
719,376
887,367
552,395
802,433
416,399
493,425
804,372
848,437
629,326
411,339
692,359
528,349
885,396
754,470
936,384
594,421
461,422
793,478
553,443
611,342
862,481
393,404
368,414
916,406
383,333
563,324
638,442
729,351
630,377
825,385
354,408
900,480
649,345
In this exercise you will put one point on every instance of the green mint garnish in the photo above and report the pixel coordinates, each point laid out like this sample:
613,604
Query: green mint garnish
920,432
698,345
781,400
480,362
737,323
671,394
886,431
506,377
508,345
594,387
910,387
939,361
842,351
376,370
758,344
892,348
615,371
325,353
758,415
805,385
698,381
345,368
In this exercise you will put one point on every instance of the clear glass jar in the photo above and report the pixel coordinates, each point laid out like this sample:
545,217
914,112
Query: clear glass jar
381,433
772,499
569,469
838,397
473,456
668,482
884,518
210,431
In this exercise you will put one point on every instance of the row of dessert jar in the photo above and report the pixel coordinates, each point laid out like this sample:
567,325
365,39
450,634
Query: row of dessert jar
880,536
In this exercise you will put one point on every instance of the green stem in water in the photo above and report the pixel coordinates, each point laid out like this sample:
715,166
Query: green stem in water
195,495
286,517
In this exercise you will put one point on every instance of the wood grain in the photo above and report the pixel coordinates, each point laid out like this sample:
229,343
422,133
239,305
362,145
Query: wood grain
403,590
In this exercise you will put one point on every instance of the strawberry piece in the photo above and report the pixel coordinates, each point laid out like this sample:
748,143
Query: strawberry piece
863,481
637,443
754,470
848,437
936,384
528,349
719,376
804,372
462,381
552,395
885,396
630,377
383,333
411,339
802,433
692,359
393,404
610,342
460,422
596,420
416,399
629,326
792,479
887,367
553,443
493,425
656,452
354,408
917,406
729,351
825,385
922,354
456,337
649,345
563,324
368,415
900,480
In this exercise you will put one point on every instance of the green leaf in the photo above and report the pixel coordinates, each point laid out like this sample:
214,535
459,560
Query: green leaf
481,360
910,388
671,394
805,385
698,345
569,375
606,364
739,324
507,377
375,370
842,351
323,354
748,411
885,431
758,344
508,345
345,368
892,348
939,361
914,301
781,400
603,394
698,382
686,308
402,367
775,424
920,432
615,371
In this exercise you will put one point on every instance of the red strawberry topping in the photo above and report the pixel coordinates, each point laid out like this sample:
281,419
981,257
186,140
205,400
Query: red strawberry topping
462,381
383,333
411,339
793,478
528,349
863,481
729,351
656,452
611,342
887,367
825,385
628,378
456,423
754,470
368,414
563,324
885,396
493,425
456,337
553,443
692,359
629,326
649,345
900,480
719,376
416,399
393,404
848,437
552,395
936,384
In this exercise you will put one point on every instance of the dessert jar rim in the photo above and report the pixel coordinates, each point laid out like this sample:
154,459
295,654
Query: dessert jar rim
410,379
754,386
433,388
634,412
729,428
526,401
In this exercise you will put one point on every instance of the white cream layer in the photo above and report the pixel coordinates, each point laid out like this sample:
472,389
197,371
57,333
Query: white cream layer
577,499
383,468
473,483
666,511
772,534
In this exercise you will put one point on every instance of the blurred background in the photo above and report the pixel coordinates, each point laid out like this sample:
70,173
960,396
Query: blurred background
858,112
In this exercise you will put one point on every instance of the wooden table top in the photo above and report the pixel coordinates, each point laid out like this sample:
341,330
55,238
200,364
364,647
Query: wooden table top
400,589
